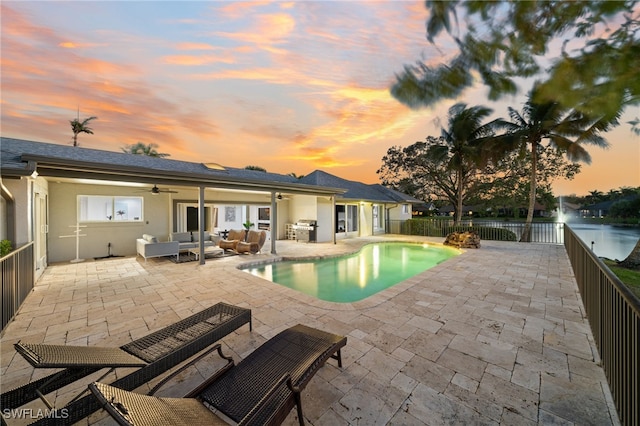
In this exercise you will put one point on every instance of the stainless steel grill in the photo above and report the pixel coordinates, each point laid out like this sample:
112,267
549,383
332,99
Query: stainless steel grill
306,230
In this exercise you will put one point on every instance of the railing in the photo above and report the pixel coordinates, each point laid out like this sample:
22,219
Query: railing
614,315
18,278
541,232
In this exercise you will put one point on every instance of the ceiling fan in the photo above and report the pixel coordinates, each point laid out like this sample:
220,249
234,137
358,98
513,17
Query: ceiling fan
155,190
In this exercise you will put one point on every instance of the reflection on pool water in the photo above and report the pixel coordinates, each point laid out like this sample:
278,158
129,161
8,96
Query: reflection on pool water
356,276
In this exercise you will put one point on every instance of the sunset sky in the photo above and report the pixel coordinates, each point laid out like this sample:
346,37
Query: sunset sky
288,86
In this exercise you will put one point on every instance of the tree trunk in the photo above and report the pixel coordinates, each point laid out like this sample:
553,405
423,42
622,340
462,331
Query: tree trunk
526,233
633,260
459,199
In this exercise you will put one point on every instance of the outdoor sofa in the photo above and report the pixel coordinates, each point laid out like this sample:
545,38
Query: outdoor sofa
154,354
260,390
149,246
190,240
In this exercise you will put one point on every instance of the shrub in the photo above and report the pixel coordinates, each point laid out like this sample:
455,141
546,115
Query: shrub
436,229
5,247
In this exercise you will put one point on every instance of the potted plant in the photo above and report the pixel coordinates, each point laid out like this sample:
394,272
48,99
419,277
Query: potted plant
247,226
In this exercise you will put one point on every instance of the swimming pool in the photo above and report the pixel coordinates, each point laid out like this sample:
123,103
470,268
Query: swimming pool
355,276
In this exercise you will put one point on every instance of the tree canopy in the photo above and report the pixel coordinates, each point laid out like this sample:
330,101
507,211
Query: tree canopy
142,149
447,166
596,46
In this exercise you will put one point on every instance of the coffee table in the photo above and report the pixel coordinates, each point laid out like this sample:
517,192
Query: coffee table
212,251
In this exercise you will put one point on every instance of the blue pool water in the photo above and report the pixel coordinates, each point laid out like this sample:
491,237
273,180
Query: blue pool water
356,276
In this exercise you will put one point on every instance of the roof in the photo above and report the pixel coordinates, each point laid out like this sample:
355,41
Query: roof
358,190
21,158
606,205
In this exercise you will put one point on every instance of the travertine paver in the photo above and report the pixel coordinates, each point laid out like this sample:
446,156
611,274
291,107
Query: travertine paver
494,336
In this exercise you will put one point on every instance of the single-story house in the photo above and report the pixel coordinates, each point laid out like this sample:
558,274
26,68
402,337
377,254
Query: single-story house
76,203
363,209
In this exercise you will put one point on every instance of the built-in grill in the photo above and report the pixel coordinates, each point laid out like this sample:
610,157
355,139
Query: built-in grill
306,230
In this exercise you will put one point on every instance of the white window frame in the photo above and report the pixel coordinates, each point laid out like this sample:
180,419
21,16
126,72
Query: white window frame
110,209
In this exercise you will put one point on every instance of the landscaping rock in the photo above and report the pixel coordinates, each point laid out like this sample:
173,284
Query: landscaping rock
468,239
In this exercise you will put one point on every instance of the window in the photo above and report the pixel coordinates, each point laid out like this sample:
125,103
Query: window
103,208
346,218
378,216
405,209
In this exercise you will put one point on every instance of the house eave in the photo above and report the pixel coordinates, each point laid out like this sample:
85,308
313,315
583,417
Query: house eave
58,167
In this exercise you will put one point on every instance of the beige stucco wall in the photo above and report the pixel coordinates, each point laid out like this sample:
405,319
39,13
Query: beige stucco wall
20,189
121,235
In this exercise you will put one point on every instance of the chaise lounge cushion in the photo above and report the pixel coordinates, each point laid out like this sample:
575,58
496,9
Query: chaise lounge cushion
181,237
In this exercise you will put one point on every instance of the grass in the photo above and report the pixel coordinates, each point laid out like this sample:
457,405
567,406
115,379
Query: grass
630,277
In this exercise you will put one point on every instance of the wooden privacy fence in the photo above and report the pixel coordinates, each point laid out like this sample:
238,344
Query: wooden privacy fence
18,278
614,315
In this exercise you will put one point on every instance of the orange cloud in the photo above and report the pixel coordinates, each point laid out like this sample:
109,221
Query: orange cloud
267,30
194,46
190,60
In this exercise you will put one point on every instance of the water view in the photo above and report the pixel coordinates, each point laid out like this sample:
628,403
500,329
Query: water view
612,242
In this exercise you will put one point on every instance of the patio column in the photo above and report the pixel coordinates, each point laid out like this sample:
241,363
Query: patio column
273,222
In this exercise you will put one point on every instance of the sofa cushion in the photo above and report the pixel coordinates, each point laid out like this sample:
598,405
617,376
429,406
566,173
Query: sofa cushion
196,236
181,237
149,238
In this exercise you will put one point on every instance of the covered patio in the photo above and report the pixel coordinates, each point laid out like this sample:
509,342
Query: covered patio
496,335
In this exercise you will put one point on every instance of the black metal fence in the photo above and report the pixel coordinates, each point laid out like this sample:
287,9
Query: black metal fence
614,315
18,278
541,232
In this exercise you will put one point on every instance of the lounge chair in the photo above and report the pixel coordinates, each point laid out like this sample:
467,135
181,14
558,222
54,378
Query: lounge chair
261,390
155,354
253,244
232,240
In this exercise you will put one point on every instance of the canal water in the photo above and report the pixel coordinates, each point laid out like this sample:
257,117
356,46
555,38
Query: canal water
610,241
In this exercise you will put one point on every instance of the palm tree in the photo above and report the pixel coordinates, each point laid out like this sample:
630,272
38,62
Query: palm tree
462,150
595,196
566,130
78,126
142,149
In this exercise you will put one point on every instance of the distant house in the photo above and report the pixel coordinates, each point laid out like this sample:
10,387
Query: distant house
364,209
602,209
50,193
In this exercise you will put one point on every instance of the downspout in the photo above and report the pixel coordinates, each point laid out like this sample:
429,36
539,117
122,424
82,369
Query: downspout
201,224
333,218
273,222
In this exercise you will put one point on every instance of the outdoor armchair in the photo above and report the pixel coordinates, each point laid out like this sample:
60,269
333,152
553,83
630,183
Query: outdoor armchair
260,390
232,240
253,244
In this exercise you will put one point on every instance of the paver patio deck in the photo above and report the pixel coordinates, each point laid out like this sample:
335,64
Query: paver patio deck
496,335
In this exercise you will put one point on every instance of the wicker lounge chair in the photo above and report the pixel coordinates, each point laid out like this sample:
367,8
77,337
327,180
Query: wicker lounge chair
232,240
155,354
261,390
253,244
